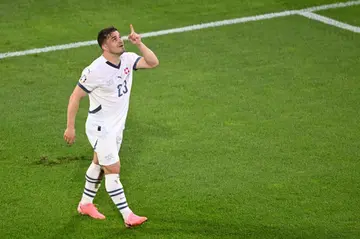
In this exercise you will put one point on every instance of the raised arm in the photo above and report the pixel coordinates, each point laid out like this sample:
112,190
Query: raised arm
149,59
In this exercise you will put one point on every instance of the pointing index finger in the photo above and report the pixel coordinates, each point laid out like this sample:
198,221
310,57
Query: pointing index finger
132,28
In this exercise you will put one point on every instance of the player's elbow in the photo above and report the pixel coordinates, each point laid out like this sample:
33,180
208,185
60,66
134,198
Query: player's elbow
155,63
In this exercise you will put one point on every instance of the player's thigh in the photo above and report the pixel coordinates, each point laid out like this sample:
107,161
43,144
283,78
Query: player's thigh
106,150
93,138
119,138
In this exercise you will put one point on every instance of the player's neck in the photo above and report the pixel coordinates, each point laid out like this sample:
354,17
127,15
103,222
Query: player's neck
114,59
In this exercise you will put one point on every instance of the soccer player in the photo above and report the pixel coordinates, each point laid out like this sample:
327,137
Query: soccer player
107,81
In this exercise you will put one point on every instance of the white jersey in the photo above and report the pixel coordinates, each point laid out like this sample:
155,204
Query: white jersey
109,88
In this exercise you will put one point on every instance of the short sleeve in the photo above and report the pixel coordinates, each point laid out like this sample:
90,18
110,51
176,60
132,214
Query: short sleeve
88,80
133,58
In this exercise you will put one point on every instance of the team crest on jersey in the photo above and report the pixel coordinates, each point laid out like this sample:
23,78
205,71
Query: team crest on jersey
126,71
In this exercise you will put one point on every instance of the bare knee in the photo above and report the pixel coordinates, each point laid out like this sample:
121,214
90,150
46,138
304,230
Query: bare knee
112,169
108,169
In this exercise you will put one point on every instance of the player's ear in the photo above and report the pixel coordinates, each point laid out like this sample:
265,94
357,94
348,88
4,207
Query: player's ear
104,47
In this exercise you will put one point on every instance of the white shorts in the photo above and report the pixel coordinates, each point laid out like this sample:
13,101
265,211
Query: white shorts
105,144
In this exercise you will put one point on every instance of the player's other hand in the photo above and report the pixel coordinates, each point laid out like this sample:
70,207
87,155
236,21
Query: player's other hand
133,37
69,135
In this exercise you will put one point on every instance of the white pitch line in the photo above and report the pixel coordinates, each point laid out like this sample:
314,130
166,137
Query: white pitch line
48,48
185,29
152,34
330,21
331,6
221,23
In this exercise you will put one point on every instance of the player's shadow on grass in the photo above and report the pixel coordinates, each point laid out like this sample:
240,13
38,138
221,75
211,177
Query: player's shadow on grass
48,161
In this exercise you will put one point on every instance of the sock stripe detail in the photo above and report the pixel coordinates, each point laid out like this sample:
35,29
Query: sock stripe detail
87,194
121,208
90,191
120,204
113,191
93,179
116,194
97,182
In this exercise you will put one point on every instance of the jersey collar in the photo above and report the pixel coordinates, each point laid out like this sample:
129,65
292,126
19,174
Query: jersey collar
113,65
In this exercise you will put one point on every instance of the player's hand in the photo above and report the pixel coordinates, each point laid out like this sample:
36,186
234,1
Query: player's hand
69,135
133,37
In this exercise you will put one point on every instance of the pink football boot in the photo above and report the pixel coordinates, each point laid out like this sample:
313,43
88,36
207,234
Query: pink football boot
90,210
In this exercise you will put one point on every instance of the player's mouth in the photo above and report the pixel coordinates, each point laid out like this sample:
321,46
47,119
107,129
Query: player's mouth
121,46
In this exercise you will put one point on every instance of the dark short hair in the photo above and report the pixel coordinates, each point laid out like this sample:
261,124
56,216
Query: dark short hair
104,33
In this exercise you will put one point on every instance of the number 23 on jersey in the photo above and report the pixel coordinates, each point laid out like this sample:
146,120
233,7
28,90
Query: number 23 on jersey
122,89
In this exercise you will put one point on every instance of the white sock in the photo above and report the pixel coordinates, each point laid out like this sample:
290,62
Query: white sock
92,183
115,190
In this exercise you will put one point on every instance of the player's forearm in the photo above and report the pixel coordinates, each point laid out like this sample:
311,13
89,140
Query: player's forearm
149,56
72,110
